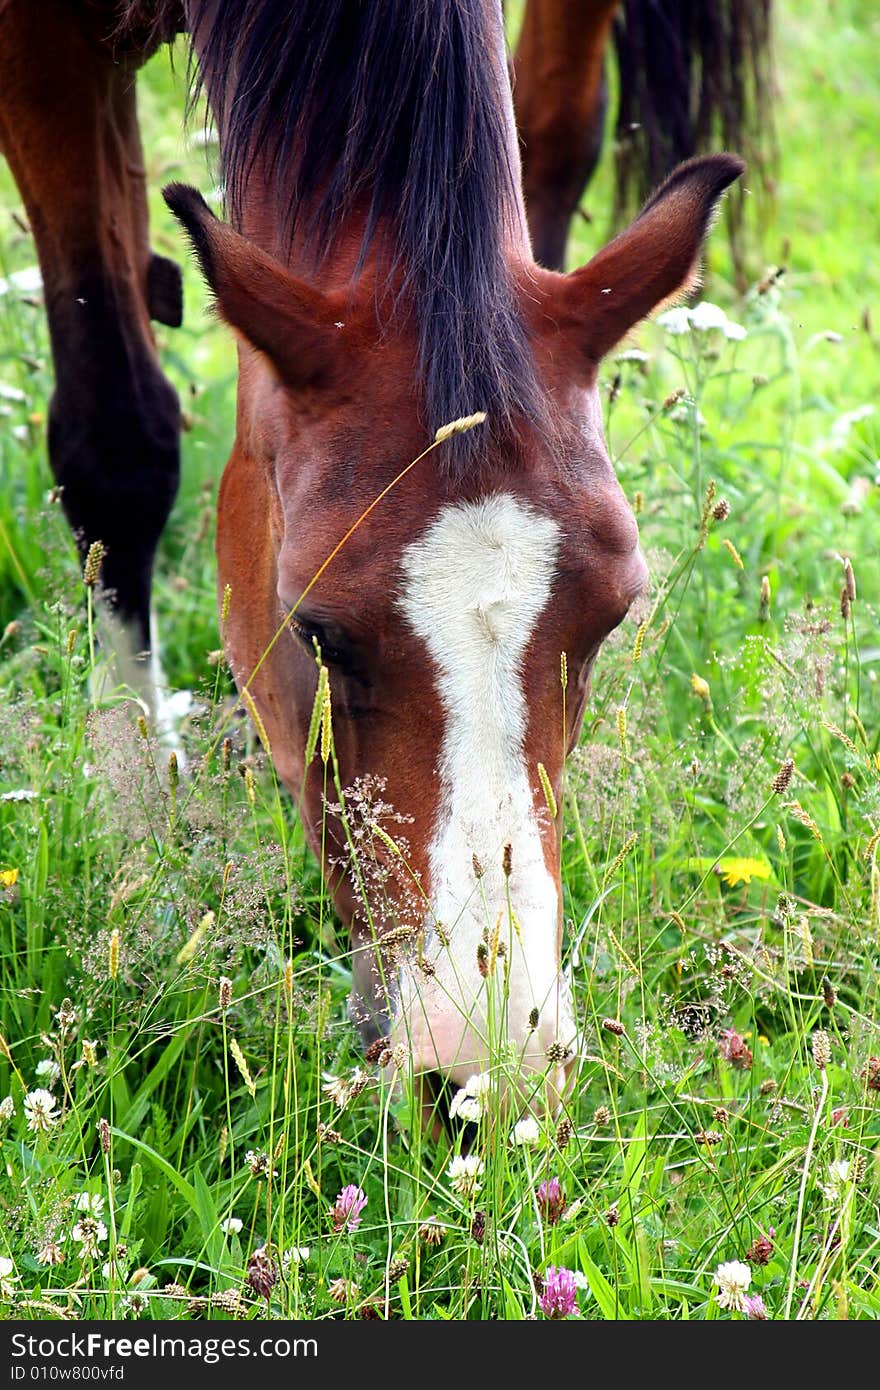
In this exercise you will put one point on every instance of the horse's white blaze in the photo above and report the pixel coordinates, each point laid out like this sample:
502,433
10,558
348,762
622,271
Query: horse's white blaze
475,585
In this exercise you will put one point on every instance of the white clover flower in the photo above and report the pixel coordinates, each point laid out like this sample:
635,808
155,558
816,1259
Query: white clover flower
91,1202
297,1255
580,1279
48,1070
337,1090
464,1174
50,1252
526,1131
231,1226
467,1102
7,1277
675,321
733,1280
466,1107
7,1108
41,1110
479,1085
89,1233
838,1178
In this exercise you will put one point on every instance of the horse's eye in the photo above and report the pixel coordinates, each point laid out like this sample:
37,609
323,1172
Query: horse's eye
315,639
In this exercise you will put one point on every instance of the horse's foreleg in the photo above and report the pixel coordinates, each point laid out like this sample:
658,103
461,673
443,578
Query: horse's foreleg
68,127
559,95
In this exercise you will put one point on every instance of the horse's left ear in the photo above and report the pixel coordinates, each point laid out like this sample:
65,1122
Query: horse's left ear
293,324
654,259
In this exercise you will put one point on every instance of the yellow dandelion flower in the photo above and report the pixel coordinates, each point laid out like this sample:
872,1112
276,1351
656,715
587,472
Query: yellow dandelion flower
735,871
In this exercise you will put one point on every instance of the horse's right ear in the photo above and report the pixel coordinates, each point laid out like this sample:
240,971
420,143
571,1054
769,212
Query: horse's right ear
293,324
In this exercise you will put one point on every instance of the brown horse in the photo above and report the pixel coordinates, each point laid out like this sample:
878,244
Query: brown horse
379,278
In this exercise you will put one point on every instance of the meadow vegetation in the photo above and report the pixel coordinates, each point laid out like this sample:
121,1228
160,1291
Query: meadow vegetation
188,1126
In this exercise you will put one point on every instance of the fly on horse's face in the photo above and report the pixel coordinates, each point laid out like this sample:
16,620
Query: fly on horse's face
442,620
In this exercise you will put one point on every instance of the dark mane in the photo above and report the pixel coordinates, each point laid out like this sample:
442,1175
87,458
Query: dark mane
693,75
396,106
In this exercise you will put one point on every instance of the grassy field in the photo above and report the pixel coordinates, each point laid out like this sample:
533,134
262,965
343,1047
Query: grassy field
172,975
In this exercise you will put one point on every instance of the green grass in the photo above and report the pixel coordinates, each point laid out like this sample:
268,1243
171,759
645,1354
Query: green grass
724,925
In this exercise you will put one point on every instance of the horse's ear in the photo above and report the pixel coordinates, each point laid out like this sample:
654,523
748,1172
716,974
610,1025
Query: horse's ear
656,258
279,315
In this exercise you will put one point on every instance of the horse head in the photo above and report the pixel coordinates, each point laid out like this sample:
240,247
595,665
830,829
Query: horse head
446,621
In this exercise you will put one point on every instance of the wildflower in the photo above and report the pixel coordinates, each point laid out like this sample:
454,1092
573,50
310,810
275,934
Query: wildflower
838,1178
871,1074
467,1102
559,1299
7,1108
89,1232
710,1137
327,1134
551,1200
613,1025
90,1053
343,1290
228,1300
41,1110
231,1226
398,1267
735,1050
821,1047
94,561
47,1071
104,1135
135,1303
754,1308
467,1108
260,1164
90,1202
700,687
464,1174
733,1280
783,777
526,1132
676,322
706,316
8,877
612,1217
761,1249
296,1255
432,1232
721,510
7,1277
49,1250
358,1081
262,1273
735,871
225,993
564,1131
337,1090
557,1052
347,1211
478,1227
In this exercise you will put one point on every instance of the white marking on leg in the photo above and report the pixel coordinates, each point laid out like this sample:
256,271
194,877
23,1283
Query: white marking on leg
476,584
122,666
